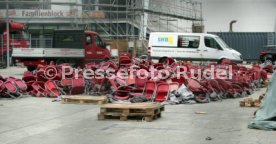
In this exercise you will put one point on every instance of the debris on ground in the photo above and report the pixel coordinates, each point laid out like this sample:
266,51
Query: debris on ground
208,138
250,102
200,112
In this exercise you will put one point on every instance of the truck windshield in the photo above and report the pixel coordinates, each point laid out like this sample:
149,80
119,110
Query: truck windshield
222,43
25,35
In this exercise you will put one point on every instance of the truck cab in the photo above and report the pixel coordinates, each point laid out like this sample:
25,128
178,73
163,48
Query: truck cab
18,38
95,48
190,46
268,54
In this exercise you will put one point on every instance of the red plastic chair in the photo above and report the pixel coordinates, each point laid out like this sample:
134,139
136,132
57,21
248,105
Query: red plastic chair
173,86
11,89
8,89
2,87
122,93
66,82
162,92
149,90
20,85
78,86
28,76
140,80
125,54
199,89
181,80
125,61
38,89
73,86
51,89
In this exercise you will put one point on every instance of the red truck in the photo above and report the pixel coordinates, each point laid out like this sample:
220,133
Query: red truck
18,38
76,47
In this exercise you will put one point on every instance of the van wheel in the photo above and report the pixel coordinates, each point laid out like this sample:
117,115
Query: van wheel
31,68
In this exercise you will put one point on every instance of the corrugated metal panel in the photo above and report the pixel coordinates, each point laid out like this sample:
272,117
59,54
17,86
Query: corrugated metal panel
274,38
248,43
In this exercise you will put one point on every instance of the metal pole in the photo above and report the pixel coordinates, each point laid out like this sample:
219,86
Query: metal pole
30,45
127,23
2,46
12,44
117,26
7,34
167,23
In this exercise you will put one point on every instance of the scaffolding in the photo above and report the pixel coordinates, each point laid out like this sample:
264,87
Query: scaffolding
128,20
133,20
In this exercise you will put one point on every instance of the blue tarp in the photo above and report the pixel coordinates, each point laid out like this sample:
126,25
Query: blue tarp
266,116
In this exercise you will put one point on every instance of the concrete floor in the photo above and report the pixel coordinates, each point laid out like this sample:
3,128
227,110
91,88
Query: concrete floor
39,121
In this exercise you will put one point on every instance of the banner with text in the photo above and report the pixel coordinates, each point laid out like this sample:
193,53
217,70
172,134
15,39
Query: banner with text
39,13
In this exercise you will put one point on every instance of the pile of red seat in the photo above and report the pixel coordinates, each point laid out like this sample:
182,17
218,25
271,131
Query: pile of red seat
133,77
12,87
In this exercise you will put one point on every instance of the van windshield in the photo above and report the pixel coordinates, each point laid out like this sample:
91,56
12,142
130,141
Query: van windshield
224,45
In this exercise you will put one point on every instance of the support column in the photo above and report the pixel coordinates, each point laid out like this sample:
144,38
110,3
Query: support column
96,7
41,39
8,34
144,21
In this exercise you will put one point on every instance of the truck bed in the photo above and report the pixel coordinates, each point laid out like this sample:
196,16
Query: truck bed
47,53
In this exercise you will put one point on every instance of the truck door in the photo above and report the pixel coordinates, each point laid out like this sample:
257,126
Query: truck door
100,50
88,46
213,51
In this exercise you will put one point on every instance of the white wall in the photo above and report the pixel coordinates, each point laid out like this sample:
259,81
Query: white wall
252,15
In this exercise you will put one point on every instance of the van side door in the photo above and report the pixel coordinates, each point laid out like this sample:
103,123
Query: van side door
189,47
213,50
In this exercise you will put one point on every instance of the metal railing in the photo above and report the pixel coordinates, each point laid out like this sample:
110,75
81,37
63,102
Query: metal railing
41,42
2,63
21,41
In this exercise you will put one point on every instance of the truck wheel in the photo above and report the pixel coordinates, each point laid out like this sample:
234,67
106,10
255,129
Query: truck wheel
162,59
220,61
61,61
3,64
73,62
106,59
31,68
13,62
267,59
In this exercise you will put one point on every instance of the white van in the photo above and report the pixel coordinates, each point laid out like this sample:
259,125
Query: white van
190,46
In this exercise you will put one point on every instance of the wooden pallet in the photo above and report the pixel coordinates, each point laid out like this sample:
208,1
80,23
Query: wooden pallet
82,99
146,111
